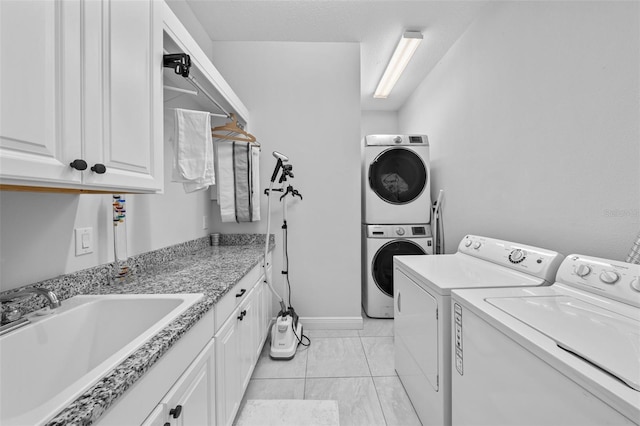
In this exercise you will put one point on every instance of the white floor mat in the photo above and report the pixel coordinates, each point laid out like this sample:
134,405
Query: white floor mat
288,412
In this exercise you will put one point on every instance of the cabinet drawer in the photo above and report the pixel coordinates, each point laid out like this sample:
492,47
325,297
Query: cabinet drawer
225,306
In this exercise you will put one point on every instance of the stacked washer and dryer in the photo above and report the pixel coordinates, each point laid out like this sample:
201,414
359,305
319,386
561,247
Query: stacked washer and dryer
396,212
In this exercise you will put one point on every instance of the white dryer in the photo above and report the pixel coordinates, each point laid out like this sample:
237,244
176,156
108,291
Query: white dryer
380,243
567,354
422,294
396,184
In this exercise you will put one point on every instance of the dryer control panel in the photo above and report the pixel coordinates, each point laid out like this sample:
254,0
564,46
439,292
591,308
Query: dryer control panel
399,231
613,279
539,262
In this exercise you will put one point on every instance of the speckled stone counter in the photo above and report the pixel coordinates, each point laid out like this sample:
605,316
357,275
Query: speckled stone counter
200,268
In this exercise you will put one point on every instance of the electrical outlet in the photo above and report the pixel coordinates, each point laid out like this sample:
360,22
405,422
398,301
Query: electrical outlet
84,241
205,222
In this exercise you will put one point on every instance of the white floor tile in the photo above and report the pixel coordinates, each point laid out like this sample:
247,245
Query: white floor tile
331,333
357,400
376,326
380,355
336,357
396,406
275,389
289,413
267,368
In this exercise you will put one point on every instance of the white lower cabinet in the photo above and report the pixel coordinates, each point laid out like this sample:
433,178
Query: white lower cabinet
238,344
191,401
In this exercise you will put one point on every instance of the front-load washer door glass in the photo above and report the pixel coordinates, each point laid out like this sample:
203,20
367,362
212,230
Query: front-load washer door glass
382,263
398,175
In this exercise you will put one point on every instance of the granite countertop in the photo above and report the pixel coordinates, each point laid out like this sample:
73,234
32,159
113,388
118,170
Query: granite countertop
212,270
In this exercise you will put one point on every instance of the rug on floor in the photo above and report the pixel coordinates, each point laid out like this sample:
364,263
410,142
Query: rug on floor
289,412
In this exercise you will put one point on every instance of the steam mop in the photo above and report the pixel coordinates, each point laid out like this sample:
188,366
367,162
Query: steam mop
286,333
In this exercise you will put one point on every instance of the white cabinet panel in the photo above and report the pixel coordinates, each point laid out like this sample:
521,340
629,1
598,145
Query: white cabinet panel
228,392
191,401
40,93
123,51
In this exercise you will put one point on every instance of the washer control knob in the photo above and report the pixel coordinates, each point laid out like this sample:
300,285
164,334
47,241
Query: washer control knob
397,139
467,243
477,245
582,270
400,231
609,277
517,255
635,284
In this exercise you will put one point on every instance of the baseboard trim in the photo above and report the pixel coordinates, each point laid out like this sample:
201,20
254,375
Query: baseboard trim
332,323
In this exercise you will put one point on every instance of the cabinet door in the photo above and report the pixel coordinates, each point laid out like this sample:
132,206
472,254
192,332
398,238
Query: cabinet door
191,401
40,104
228,391
248,328
123,66
157,417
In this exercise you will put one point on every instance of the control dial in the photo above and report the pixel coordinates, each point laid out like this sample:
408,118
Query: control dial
467,243
517,255
582,270
609,277
477,245
635,284
400,231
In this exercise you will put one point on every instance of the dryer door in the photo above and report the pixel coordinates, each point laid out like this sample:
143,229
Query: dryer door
382,263
398,175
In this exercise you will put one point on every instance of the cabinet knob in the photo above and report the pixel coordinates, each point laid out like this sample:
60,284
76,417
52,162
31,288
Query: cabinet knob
242,314
98,168
79,164
175,412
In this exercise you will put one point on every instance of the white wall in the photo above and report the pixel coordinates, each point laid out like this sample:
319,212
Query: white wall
305,103
36,229
533,119
379,122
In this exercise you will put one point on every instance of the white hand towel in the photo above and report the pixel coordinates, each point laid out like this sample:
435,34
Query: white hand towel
193,150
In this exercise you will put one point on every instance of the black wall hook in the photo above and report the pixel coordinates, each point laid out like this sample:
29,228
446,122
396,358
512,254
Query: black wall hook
180,62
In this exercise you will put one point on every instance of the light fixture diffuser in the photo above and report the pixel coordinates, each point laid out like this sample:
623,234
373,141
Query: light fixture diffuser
401,57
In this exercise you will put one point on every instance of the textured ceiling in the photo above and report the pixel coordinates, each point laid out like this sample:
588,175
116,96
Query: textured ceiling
376,25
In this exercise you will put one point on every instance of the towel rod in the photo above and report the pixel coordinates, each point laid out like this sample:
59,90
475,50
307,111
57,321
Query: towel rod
181,64
213,114
179,90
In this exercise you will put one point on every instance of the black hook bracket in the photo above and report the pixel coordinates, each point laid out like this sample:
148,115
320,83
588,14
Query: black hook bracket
180,62
293,192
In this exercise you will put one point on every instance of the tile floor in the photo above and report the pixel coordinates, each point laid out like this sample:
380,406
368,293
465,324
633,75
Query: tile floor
354,367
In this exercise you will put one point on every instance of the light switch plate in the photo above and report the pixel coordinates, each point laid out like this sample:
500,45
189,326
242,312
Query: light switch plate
84,241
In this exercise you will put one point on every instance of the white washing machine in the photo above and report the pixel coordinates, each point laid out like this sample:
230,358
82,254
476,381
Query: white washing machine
380,243
422,325
567,354
396,184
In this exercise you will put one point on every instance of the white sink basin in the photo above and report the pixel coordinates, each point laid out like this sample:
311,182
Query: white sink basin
45,365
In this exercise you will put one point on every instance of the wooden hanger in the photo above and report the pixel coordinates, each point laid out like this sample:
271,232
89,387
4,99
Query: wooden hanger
233,132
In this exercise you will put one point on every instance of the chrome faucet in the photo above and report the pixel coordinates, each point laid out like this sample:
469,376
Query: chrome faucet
29,291
12,317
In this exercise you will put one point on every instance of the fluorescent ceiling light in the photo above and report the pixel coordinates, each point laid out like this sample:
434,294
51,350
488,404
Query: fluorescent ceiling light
401,57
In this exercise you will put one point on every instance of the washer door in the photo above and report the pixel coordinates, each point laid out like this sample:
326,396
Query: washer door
382,263
398,175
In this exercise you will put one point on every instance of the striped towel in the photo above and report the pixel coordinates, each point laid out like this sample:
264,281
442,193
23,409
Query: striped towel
634,253
238,181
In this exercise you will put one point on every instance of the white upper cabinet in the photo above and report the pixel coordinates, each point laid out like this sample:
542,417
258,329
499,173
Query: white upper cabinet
40,75
81,80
